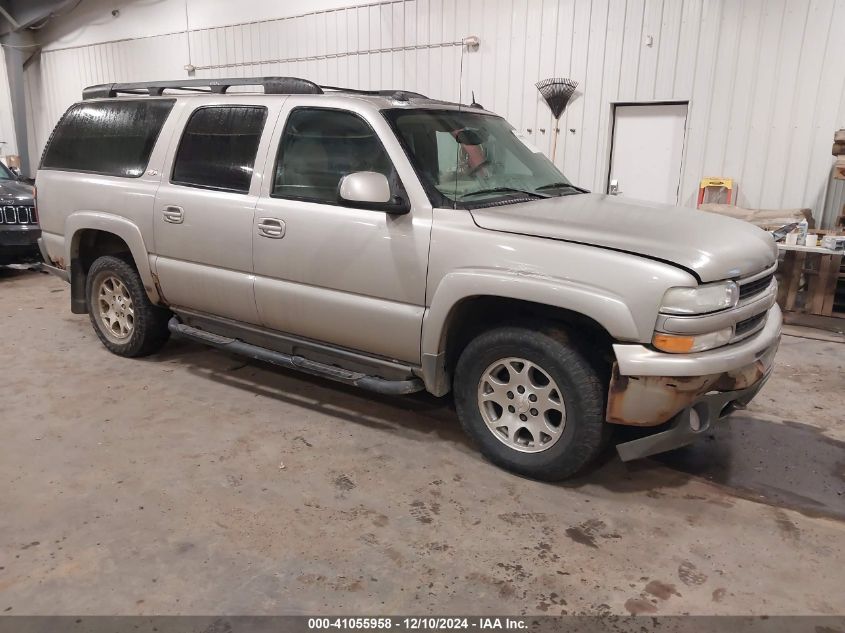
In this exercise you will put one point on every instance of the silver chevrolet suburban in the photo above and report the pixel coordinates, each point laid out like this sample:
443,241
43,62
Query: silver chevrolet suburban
400,244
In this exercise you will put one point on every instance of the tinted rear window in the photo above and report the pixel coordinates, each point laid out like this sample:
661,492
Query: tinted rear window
218,148
114,138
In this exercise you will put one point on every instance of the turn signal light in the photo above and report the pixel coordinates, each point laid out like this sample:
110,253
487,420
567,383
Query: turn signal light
673,344
679,344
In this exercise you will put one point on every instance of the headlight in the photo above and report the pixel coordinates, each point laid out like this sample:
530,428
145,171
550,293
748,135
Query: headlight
700,299
676,344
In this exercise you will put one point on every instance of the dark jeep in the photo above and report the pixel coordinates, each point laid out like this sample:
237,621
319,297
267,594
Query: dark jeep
19,230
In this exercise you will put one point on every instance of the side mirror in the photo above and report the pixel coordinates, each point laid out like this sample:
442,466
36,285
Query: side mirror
370,190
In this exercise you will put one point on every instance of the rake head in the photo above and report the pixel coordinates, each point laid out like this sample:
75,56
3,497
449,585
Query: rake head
557,92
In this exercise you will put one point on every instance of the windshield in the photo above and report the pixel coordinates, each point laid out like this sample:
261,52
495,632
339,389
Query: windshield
470,159
5,173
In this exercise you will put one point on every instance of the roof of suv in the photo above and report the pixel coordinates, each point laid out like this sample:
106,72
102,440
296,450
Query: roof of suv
271,86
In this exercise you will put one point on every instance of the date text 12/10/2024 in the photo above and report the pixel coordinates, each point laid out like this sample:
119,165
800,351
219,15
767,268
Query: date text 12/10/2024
417,623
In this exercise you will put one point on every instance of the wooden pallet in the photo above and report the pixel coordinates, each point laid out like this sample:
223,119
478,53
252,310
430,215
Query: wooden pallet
812,283
839,292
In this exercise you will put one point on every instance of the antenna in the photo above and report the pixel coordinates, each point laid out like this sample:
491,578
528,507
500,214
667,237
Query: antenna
556,92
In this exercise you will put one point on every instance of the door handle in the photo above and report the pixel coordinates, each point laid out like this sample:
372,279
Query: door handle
173,214
271,227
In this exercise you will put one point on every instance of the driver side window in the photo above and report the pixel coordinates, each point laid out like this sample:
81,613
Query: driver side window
319,147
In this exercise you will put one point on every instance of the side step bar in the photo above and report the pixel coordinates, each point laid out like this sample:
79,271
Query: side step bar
235,346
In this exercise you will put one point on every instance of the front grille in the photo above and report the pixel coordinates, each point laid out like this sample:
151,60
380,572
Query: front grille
20,214
743,327
754,287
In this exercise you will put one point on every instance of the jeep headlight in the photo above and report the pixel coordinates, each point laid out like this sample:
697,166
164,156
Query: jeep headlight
700,299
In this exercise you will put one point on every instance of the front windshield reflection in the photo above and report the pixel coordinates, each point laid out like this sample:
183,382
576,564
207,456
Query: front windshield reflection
469,158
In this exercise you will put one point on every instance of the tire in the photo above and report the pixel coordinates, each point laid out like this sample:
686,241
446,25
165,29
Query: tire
142,328
560,451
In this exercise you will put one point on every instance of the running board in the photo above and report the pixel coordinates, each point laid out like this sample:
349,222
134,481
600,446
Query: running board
236,346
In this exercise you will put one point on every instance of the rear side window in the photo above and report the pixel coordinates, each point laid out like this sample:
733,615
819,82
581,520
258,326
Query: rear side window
321,146
114,138
218,148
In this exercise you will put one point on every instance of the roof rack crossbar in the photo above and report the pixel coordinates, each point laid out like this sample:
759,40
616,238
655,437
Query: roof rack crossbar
271,85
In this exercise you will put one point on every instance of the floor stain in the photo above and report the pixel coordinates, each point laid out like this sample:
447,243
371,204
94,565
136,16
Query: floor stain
638,606
377,518
516,571
544,552
585,533
661,590
523,518
786,526
422,513
546,602
690,575
344,483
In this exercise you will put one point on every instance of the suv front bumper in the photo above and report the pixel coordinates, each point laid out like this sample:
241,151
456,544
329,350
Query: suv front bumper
19,244
649,388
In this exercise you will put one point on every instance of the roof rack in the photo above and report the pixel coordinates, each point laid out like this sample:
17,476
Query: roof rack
271,85
398,95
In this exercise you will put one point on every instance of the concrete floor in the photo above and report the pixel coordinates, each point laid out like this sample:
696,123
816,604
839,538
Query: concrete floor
195,483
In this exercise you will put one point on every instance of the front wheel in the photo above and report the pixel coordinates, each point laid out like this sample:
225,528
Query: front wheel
124,318
531,401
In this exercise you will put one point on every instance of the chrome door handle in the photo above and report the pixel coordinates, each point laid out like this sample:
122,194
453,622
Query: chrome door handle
271,227
173,214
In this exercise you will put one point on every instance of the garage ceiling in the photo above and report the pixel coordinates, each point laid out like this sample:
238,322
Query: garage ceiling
21,14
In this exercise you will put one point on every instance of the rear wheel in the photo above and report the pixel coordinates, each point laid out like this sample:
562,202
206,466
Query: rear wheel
533,403
124,318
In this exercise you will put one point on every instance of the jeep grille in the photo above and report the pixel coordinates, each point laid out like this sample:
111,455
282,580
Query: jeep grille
20,214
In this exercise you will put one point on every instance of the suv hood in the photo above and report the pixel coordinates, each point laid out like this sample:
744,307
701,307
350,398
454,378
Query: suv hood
712,246
12,191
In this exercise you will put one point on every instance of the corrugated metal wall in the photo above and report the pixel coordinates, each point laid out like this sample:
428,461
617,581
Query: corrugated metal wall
764,78
8,144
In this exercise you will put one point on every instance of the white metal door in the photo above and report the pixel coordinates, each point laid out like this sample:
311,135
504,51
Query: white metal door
648,146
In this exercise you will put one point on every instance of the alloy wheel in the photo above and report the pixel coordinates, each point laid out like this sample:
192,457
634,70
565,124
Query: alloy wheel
522,405
116,311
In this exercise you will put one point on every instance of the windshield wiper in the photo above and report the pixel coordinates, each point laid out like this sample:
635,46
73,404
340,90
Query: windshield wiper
560,185
524,192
